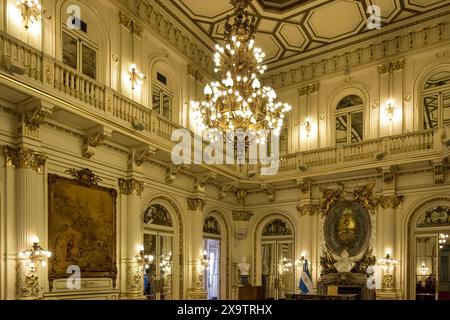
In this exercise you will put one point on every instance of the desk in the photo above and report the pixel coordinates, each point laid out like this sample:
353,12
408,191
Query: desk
315,296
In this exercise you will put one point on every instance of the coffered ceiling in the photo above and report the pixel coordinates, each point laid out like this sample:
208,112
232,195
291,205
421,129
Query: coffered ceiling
290,30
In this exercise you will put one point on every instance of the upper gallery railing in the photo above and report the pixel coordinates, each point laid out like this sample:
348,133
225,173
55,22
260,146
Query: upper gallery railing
46,73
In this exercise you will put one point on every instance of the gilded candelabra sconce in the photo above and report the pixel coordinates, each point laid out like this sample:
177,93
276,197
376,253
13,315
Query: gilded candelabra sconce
442,240
31,11
37,255
308,128
28,266
390,110
204,265
143,260
136,77
388,266
423,270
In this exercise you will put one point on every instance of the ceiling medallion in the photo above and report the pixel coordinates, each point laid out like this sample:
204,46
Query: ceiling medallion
239,102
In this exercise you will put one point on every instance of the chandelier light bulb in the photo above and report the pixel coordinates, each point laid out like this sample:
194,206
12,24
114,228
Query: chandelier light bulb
208,90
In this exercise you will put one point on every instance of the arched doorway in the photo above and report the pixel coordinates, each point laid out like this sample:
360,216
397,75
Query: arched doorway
277,258
159,245
429,247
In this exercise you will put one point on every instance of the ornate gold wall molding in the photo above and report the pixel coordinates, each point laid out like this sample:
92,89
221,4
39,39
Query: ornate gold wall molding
27,284
135,280
131,187
85,176
22,157
196,203
242,215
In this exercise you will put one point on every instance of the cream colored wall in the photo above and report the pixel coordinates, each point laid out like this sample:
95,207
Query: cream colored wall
63,147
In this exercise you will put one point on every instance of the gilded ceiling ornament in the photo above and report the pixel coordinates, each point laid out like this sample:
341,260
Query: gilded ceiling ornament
86,177
22,157
196,204
242,215
131,187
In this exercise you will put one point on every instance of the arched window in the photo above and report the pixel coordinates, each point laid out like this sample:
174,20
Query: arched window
436,100
162,93
277,253
212,244
350,120
158,243
80,42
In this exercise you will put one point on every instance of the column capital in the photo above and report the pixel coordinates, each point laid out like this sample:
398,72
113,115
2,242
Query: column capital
131,187
195,203
242,215
22,157
308,209
390,202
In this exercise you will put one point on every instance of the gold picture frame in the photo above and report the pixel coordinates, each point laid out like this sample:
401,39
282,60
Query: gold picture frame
82,227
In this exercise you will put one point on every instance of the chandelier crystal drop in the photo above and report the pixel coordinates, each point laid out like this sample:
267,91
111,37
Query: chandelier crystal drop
239,101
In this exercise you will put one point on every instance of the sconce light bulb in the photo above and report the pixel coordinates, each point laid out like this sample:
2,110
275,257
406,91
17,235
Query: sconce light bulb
35,239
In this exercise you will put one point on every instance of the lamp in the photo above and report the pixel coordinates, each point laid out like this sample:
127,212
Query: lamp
136,77
423,269
300,261
308,127
37,255
388,265
390,109
204,264
442,240
31,11
143,259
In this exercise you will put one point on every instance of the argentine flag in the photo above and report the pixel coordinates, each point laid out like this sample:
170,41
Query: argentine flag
306,285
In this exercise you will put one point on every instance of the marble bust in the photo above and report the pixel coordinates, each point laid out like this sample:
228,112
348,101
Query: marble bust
344,263
244,267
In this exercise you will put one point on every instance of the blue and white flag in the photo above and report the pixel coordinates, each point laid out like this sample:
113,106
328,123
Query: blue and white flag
306,285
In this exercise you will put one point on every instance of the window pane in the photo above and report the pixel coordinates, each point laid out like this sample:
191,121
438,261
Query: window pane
349,101
89,57
438,80
446,108
430,112
167,106
341,129
357,127
70,51
157,100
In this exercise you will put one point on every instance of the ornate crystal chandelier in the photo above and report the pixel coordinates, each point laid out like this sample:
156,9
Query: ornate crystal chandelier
239,101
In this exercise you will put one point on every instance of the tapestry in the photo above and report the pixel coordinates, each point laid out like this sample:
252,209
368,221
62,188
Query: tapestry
82,229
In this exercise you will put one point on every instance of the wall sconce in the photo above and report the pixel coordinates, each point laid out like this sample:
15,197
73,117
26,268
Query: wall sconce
300,261
204,264
143,259
37,255
31,11
390,109
285,265
136,77
442,240
423,270
388,265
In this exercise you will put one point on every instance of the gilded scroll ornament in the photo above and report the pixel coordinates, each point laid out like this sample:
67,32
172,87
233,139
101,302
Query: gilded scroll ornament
85,177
